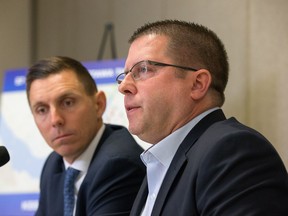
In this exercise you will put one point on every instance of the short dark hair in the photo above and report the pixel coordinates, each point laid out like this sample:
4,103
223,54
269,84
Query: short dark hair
195,46
57,64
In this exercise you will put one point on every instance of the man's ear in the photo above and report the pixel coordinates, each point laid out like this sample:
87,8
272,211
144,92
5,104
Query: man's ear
100,100
201,82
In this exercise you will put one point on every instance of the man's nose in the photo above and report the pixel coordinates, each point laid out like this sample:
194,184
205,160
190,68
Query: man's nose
56,117
127,85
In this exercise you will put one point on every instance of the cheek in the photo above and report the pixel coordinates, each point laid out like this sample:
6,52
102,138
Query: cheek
164,101
156,103
43,128
41,124
86,118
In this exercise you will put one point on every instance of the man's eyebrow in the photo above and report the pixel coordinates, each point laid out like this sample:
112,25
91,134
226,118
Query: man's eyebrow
66,94
37,104
59,98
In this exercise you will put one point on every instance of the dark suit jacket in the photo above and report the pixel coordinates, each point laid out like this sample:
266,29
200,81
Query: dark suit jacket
221,168
111,184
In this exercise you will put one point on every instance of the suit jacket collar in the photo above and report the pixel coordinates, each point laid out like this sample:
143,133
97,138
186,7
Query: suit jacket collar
177,163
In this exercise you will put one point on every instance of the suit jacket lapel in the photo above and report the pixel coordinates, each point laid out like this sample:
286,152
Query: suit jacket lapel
58,189
56,186
140,199
179,159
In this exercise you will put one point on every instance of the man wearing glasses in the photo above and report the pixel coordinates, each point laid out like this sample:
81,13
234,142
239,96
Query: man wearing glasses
199,162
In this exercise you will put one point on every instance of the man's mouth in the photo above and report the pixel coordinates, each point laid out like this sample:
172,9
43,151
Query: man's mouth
131,108
61,137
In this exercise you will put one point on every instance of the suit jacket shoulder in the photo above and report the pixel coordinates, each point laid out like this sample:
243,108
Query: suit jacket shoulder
222,168
114,175
110,185
51,182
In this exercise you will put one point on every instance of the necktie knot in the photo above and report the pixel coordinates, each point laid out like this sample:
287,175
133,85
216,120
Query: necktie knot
70,177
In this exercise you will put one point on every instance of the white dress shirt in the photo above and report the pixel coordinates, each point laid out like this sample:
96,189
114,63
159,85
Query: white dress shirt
158,159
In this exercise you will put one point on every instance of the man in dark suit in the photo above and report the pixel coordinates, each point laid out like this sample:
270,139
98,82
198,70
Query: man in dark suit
200,163
67,109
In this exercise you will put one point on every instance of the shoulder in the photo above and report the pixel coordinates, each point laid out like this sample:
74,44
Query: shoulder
117,131
232,130
231,140
53,163
228,139
119,137
117,142
117,153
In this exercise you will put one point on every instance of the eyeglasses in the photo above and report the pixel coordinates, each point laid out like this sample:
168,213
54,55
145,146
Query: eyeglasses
145,69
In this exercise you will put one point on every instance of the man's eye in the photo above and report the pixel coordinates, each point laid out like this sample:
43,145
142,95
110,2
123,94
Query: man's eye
68,102
41,110
142,69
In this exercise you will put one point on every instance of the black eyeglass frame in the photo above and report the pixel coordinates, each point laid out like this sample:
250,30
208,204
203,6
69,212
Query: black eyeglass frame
153,63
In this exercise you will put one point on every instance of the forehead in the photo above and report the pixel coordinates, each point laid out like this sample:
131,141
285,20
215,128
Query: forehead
64,77
55,85
147,47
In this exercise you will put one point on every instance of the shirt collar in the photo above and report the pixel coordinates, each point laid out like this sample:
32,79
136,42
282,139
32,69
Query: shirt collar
83,161
165,150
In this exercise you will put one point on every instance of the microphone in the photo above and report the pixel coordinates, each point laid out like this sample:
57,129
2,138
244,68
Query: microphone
4,156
